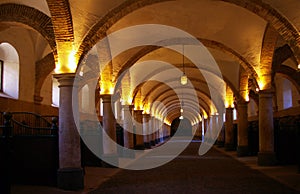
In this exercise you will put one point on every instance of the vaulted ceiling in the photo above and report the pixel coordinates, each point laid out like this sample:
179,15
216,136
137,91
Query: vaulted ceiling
230,34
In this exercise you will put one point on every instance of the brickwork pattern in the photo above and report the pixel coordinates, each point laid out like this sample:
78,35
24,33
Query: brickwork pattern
62,20
43,68
31,17
282,25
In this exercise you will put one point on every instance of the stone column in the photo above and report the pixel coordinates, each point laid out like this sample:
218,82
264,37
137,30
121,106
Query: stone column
119,111
70,174
153,129
242,147
221,134
214,127
138,117
205,125
146,132
159,127
229,136
199,129
266,154
109,132
128,126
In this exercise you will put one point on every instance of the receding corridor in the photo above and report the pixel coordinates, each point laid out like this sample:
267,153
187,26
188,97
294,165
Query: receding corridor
89,88
214,172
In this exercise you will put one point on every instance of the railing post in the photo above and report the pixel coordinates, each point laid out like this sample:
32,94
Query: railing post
54,127
7,124
5,178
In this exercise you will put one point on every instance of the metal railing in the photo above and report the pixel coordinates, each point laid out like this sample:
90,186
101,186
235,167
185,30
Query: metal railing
27,124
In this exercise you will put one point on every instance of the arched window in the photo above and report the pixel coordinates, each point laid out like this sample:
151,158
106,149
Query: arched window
55,92
85,101
287,94
252,108
234,114
9,70
1,76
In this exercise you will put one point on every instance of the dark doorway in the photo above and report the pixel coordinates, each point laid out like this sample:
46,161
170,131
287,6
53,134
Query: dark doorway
182,127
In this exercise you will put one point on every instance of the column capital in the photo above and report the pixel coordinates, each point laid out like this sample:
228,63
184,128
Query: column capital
214,115
65,79
146,115
138,111
106,98
127,106
229,108
242,104
266,93
241,100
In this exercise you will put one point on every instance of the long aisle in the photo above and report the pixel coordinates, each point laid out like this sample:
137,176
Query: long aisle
190,173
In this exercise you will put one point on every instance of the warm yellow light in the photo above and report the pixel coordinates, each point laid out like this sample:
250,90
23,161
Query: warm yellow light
261,85
72,61
167,122
299,66
181,110
159,117
146,110
247,98
205,115
106,87
126,101
111,90
138,105
200,119
67,60
181,117
229,98
229,105
183,79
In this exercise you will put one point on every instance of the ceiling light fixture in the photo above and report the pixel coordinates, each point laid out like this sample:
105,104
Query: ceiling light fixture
183,78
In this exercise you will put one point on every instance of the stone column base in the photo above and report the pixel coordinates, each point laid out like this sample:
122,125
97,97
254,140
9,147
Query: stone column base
147,145
70,178
152,143
266,159
220,144
242,151
112,160
229,147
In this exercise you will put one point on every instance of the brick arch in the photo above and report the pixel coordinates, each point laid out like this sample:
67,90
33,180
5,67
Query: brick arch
281,54
98,31
61,19
43,68
267,53
290,74
30,17
206,42
280,23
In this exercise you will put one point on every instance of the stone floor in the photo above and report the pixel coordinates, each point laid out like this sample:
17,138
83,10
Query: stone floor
215,172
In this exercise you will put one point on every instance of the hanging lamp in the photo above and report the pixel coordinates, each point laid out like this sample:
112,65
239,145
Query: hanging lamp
183,78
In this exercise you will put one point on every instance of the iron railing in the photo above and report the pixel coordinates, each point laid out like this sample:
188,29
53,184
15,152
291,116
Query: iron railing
28,124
